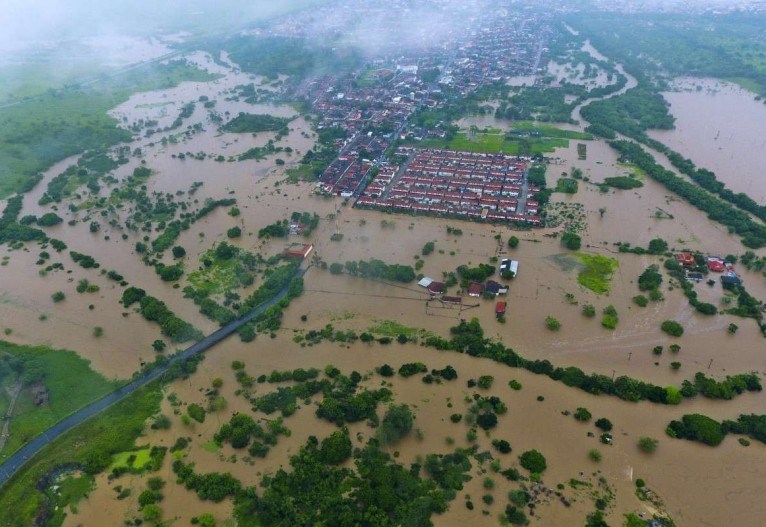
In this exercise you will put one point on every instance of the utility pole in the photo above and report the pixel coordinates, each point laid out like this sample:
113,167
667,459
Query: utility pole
629,355
709,365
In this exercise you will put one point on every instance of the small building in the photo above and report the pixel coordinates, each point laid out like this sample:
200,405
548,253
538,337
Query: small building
686,259
716,265
425,282
694,276
475,289
452,300
495,288
500,309
298,251
436,288
730,279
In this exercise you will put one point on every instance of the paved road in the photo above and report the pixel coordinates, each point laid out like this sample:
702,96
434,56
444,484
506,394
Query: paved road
11,465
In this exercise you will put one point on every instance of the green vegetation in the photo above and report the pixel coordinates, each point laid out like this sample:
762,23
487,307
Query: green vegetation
597,273
255,123
98,439
468,337
647,444
497,142
37,133
397,423
155,310
571,241
377,269
59,380
566,185
552,323
672,328
533,461
697,427
623,182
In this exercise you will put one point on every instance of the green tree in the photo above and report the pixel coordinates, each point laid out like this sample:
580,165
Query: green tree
533,461
396,423
336,448
571,241
513,242
647,444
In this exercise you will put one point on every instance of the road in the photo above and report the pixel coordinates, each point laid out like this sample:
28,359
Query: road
12,465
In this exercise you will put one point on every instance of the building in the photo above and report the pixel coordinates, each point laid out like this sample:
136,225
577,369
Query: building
475,289
716,265
500,309
686,259
495,288
298,251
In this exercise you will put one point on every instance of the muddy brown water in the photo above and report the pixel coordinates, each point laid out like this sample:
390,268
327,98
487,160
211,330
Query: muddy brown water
721,127
732,474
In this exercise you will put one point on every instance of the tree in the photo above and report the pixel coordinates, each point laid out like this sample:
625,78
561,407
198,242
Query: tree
658,246
234,232
196,412
533,461
571,241
179,252
159,345
513,242
336,268
428,248
552,323
647,444
582,414
58,296
396,423
672,328
336,448
604,424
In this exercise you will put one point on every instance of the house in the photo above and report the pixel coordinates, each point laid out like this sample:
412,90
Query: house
730,279
495,288
475,289
298,251
452,300
512,266
686,259
715,265
425,282
695,276
436,288
500,309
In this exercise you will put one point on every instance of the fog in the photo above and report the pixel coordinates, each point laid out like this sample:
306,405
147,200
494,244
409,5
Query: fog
39,23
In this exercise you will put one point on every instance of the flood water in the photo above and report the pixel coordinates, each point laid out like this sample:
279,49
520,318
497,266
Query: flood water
732,475
721,127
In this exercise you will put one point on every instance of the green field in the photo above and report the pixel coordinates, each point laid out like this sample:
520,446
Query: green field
597,273
498,143
92,444
141,459
70,382
547,130
42,131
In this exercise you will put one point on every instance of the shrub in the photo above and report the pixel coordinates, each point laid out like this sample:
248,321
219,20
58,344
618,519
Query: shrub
502,446
514,384
179,252
552,323
641,300
582,414
604,424
485,382
594,455
196,412
234,232
533,461
672,328
571,241
513,242
647,444
58,296
589,311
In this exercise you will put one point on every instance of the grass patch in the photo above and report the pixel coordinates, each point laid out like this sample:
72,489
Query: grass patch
37,133
71,490
69,380
497,143
391,328
123,459
632,170
107,434
746,83
211,446
597,273
547,130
